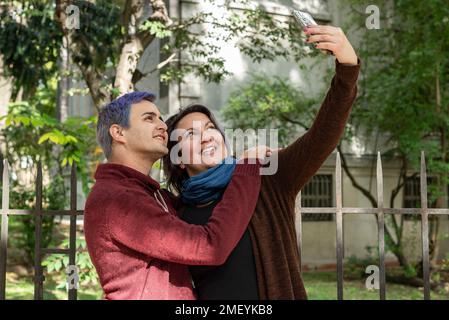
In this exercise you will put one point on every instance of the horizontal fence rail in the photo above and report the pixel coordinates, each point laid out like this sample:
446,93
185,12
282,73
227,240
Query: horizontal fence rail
338,210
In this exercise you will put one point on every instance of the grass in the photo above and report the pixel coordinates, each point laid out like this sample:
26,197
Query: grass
323,286
22,288
319,285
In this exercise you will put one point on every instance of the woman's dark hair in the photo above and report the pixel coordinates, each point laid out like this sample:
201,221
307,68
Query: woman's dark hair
175,175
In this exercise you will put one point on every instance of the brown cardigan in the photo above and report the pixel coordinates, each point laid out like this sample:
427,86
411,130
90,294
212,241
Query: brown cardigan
272,227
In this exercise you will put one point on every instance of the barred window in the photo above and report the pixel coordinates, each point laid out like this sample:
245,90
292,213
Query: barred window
317,193
412,195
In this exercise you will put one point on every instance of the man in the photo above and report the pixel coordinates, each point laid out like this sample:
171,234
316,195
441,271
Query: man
137,243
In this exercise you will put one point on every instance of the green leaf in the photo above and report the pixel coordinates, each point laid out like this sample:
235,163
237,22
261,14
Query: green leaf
54,138
44,138
65,261
37,122
61,285
70,138
58,265
50,267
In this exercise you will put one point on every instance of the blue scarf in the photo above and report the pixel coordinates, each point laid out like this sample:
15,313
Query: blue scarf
208,185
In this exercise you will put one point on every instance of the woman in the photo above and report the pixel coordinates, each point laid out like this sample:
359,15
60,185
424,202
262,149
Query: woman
265,263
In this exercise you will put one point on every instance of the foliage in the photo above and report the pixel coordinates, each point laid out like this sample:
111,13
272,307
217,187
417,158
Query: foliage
406,79
30,50
22,228
404,92
57,263
256,33
31,135
31,40
356,267
271,102
445,264
98,27
34,37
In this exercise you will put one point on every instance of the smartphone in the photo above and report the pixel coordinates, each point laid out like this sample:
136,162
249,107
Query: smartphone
303,18
306,20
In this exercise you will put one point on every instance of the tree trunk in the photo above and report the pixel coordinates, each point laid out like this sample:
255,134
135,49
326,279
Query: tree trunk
64,82
135,41
129,57
6,91
92,76
100,95
131,49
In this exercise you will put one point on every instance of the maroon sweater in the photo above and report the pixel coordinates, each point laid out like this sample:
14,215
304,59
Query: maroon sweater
139,246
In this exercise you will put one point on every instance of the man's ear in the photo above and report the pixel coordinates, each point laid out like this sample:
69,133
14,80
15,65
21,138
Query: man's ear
116,133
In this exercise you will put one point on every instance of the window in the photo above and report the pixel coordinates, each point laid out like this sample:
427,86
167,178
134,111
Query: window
412,195
317,193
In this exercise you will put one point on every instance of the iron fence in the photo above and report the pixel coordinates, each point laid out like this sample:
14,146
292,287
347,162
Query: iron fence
339,211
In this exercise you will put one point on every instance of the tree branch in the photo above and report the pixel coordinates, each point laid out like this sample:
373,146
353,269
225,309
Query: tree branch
370,197
285,118
351,177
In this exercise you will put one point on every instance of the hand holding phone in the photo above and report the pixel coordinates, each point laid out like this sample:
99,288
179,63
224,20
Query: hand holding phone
333,39
306,20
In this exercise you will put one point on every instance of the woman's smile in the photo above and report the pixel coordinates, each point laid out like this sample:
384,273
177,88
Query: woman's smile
209,150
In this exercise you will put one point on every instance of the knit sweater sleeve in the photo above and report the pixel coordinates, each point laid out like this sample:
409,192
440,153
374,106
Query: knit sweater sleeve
138,223
298,162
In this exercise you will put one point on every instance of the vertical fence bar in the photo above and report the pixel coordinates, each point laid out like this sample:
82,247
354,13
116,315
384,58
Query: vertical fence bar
299,230
4,230
38,274
381,226
425,228
72,238
339,222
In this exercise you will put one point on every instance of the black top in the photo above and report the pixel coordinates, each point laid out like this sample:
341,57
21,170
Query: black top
236,278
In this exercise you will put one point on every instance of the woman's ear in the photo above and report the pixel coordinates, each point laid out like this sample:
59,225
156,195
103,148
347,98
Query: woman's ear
182,166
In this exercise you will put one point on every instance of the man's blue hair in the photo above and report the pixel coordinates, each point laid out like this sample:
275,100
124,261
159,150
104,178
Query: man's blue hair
117,112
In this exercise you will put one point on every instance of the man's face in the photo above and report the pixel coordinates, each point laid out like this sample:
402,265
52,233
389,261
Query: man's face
147,133
201,142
